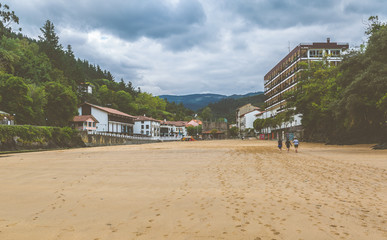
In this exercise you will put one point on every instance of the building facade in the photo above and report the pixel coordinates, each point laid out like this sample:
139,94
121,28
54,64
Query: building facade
247,119
146,126
174,129
284,76
240,115
109,120
85,123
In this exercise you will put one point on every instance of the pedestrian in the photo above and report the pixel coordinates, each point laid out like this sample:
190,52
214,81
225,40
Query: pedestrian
280,144
295,143
288,143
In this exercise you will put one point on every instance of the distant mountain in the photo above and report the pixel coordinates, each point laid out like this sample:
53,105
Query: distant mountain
198,101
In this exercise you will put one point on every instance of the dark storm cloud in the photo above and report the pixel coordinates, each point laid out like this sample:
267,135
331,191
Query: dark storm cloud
280,14
147,18
129,20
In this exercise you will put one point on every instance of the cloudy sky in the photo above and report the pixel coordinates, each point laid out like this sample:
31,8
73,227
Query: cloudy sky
195,46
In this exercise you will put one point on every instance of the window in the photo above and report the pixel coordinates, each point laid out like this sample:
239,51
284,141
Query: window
142,126
315,53
93,124
147,126
89,124
147,132
335,53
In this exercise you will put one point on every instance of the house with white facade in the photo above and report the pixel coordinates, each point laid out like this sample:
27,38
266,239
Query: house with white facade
146,126
245,116
174,129
109,120
247,119
85,123
86,88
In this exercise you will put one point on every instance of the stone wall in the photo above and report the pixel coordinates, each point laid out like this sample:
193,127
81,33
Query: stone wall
92,140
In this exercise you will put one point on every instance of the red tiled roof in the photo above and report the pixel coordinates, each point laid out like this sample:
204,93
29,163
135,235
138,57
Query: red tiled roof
174,123
111,111
260,113
83,118
144,118
255,109
194,122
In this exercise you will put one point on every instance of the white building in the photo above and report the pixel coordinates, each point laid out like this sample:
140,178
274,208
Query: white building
285,75
247,119
109,120
245,116
146,126
174,129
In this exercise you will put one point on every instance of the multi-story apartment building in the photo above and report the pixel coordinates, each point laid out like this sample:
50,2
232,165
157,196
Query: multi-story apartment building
283,77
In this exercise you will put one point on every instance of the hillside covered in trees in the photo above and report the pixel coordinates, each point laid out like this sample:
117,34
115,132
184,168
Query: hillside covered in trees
226,108
200,101
41,81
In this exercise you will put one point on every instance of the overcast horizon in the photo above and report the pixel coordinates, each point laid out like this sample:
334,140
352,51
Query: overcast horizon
195,46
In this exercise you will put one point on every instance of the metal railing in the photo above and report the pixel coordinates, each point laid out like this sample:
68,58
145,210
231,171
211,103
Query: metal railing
136,137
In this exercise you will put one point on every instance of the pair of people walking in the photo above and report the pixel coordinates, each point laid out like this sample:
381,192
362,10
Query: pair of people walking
288,144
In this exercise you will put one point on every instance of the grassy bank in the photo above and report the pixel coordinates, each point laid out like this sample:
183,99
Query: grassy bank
26,137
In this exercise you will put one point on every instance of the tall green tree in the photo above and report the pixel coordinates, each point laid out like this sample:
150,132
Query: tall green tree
206,114
7,17
49,44
9,54
364,84
15,99
125,102
39,101
316,93
61,104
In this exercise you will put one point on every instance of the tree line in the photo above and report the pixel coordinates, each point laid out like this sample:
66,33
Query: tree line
41,81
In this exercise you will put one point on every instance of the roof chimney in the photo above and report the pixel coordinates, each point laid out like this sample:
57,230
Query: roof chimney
328,40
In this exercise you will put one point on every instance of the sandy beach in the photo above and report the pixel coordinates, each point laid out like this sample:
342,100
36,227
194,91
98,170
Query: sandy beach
229,189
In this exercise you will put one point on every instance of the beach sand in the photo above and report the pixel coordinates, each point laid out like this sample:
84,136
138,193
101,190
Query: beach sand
228,189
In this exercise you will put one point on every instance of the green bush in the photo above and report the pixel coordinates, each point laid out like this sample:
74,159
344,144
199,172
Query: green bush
60,137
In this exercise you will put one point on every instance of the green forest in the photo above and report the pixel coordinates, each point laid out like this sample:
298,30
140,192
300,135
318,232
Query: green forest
41,81
345,104
226,108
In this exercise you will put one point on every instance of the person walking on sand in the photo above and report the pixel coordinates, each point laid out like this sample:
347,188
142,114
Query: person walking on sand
288,144
295,143
280,144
